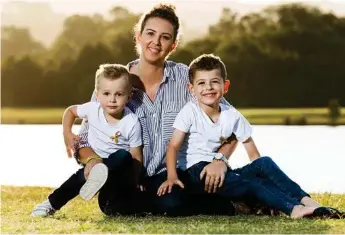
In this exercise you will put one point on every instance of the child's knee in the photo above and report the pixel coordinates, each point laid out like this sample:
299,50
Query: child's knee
170,203
264,161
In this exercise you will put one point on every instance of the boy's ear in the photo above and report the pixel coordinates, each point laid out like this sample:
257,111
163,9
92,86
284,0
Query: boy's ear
226,86
191,88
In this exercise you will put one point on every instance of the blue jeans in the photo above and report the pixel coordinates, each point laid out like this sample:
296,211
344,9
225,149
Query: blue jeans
262,180
118,163
266,168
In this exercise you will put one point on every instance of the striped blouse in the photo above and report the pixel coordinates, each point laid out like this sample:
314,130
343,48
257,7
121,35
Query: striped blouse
157,117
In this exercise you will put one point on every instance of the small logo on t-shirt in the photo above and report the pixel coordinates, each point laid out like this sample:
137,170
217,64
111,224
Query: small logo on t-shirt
116,136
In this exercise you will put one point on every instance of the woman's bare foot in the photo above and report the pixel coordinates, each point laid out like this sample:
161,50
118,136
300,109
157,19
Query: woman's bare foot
300,211
307,201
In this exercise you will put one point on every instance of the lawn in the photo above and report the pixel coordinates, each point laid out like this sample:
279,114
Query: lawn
80,216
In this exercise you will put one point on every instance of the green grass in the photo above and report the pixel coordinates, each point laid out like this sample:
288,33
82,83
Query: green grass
85,217
276,116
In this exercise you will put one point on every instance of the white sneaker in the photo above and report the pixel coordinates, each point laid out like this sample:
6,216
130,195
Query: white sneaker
42,210
97,178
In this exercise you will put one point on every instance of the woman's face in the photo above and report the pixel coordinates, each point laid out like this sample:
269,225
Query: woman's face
156,40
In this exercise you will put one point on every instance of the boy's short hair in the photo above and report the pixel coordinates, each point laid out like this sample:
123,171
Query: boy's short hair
112,72
206,62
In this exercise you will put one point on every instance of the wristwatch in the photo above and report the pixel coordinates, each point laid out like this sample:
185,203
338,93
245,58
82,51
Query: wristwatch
221,157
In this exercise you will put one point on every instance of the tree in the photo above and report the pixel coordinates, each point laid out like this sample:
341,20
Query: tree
78,32
21,81
18,42
119,34
289,50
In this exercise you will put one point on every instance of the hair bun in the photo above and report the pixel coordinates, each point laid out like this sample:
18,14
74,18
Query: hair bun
165,6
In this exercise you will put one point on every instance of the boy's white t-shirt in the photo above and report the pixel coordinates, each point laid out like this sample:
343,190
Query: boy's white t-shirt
100,131
203,137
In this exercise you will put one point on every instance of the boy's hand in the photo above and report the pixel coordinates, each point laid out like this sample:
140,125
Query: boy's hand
168,184
70,141
215,174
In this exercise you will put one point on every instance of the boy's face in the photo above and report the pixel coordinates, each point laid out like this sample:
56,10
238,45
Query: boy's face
209,87
113,95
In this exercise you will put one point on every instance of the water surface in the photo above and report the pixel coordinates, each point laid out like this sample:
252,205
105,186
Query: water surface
313,156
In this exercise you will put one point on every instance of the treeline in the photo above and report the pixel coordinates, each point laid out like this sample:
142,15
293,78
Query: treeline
290,55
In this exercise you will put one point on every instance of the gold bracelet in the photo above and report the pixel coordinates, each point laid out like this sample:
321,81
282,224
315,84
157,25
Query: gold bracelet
93,157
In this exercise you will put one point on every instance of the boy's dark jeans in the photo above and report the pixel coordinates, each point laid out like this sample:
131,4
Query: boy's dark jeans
118,163
262,179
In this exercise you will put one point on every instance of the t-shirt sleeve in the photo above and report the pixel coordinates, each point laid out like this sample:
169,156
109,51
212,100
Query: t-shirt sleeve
242,128
84,110
183,120
135,135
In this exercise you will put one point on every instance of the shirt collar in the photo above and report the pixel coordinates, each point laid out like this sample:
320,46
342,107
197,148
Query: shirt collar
167,73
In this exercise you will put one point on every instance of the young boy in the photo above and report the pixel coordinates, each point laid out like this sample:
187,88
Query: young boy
114,135
202,126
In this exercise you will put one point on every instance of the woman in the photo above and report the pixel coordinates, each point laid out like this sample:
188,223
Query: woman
160,92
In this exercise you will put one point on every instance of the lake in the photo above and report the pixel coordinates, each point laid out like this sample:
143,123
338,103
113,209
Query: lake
313,156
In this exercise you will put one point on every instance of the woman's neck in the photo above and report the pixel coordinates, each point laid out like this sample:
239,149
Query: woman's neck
150,73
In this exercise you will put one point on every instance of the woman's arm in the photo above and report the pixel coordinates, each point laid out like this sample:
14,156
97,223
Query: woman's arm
137,156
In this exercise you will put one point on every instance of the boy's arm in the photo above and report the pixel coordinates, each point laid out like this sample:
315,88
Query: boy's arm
172,150
68,119
182,125
82,147
171,159
89,157
215,171
252,151
229,147
243,132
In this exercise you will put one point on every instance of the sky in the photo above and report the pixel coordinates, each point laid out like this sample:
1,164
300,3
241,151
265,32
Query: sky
195,15
242,6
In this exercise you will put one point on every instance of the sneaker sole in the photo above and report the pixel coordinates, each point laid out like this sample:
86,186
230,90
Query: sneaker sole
97,178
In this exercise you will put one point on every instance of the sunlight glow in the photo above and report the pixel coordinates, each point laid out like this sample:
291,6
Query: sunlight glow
242,6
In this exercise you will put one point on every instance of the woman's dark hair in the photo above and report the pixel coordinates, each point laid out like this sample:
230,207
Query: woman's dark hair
163,11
